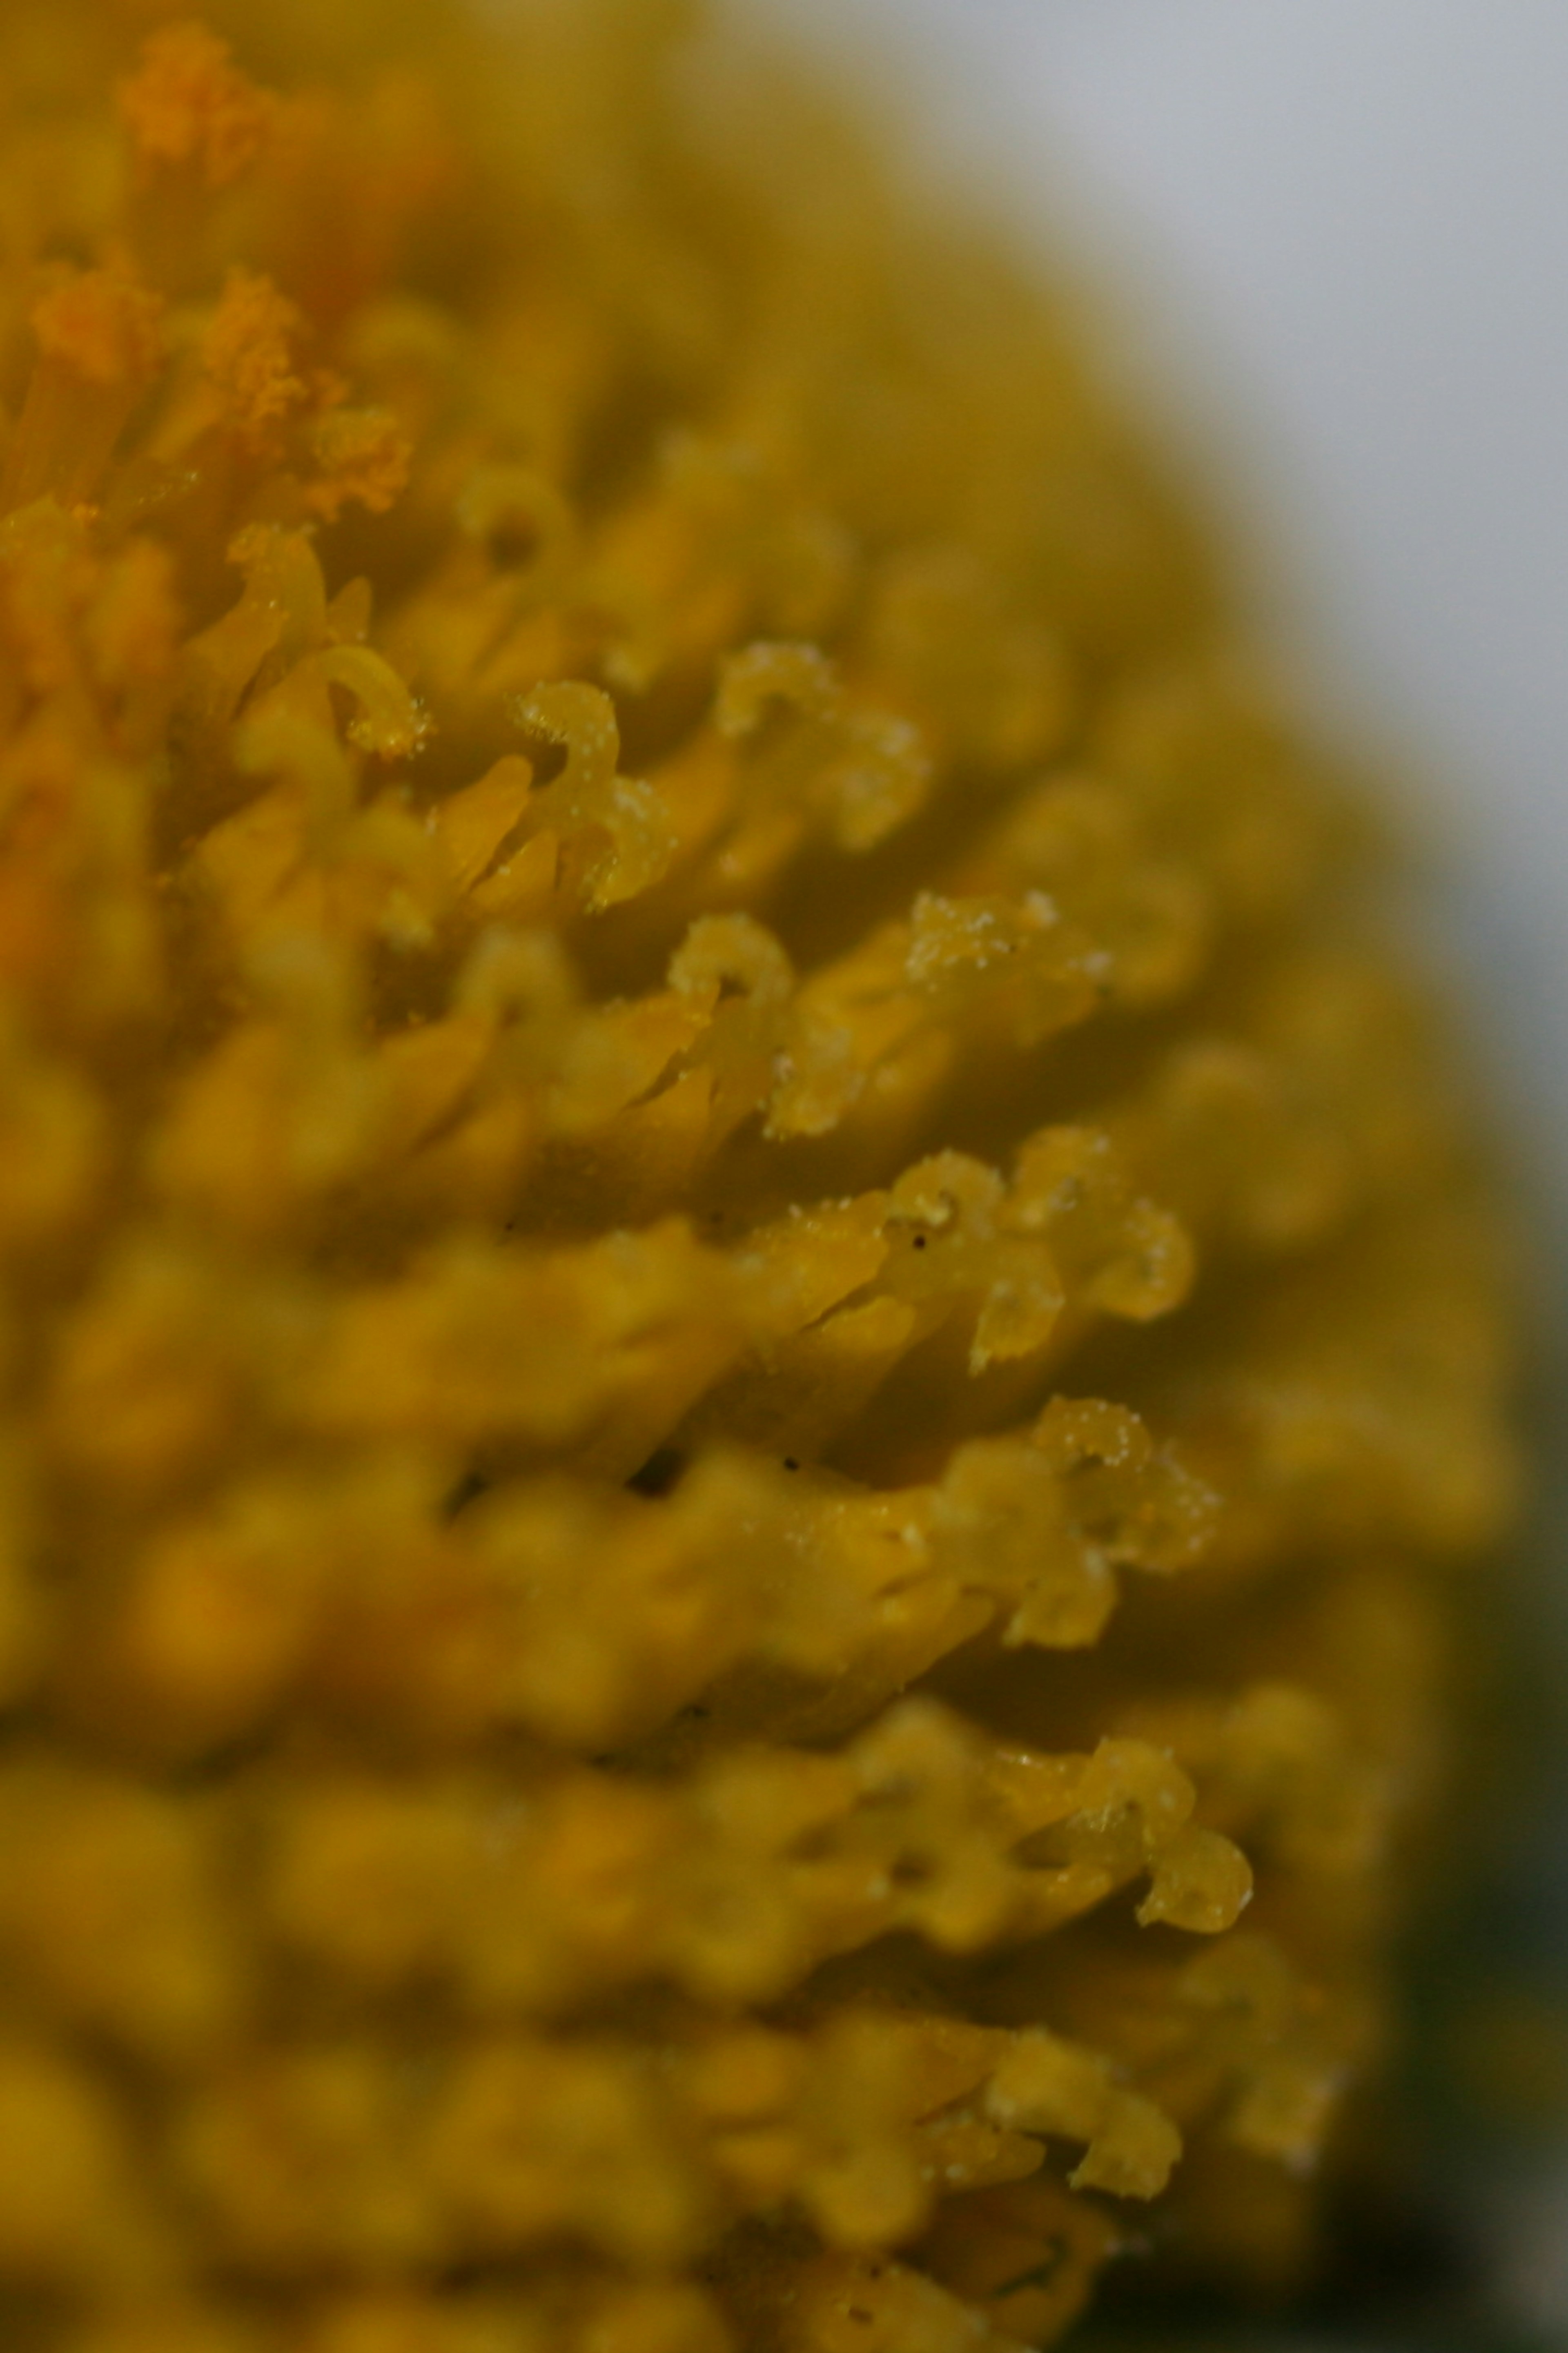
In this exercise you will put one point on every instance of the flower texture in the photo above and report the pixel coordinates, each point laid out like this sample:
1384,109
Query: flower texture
744,1333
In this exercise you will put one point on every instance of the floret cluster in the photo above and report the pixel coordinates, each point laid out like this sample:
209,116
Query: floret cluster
742,1340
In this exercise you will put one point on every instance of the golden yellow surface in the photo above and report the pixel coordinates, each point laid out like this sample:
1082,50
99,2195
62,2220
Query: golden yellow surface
742,1341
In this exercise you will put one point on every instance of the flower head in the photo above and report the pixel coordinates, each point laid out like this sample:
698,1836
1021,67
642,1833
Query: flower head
742,1337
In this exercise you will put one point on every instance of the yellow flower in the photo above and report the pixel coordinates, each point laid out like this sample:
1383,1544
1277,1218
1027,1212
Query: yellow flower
744,1332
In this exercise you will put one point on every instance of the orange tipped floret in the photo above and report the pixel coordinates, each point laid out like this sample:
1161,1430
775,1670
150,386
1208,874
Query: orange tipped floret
745,1341
99,338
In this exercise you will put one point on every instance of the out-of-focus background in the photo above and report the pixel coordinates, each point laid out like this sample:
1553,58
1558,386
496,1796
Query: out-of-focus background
1326,244
1333,236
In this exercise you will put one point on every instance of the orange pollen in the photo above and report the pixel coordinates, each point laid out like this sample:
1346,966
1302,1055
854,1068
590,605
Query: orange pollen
101,326
365,456
188,103
247,353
